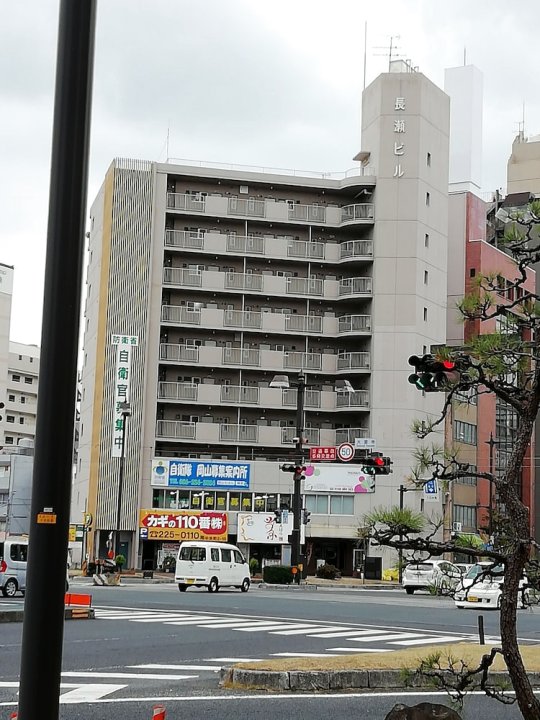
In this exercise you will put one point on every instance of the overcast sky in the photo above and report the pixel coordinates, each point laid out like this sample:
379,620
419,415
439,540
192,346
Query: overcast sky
256,82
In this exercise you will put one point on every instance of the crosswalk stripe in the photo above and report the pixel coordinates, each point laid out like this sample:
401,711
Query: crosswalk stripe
268,627
360,650
387,637
125,676
357,633
301,654
234,624
237,660
164,619
156,666
302,627
298,631
426,640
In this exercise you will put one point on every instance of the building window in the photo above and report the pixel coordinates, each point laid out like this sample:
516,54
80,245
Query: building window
472,272
10,418
428,159
23,399
9,440
425,314
341,505
465,432
466,515
426,276
21,421
11,398
317,504
28,380
468,479
428,199
426,240
16,378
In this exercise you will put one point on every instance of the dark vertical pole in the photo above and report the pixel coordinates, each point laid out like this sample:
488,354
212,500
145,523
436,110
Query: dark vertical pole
43,625
481,635
400,550
125,415
491,442
297,497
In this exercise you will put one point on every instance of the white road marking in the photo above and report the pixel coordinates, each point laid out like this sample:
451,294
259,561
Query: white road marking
426,640
233,624
126,676
357,633
389,637
156,666
237,660
88,693
168,619
268,626
358,650
298,631
301,654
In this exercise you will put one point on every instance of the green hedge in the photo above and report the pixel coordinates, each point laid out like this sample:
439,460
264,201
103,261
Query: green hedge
328,572
277,574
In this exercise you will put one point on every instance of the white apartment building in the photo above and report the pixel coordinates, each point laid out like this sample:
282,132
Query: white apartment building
204,282
21,394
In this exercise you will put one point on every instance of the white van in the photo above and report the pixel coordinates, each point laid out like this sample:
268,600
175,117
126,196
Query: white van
211,565
13,556
13,562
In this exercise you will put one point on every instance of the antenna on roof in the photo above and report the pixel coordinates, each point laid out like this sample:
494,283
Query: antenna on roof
390,52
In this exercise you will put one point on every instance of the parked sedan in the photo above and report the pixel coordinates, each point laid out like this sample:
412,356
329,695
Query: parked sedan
438,574
482,587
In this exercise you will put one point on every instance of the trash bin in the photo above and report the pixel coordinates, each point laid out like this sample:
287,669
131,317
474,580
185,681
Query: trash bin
373,568
148,569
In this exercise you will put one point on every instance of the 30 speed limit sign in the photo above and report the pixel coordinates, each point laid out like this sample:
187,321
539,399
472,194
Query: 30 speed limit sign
345,452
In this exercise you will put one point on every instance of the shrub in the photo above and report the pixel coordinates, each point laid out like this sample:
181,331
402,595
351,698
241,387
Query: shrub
328,572
277,574
253,565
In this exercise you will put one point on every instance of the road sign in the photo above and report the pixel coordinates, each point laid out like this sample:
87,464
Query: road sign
322,453
345,452
431,491
364,443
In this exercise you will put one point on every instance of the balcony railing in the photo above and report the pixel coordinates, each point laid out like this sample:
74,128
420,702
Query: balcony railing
241,356
245,244
358,398
243,281
239,433
184,239
246,206
304,249
305,286
304,323
356,248
176,429
181,353
353,361
182,276
312,398
242,319
177,391
176,313
182,201
310,434
354,323
350,434
239,394
360,211
302,361
355,286
307,213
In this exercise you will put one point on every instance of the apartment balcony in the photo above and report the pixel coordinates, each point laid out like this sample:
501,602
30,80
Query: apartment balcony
242,319
260,435
269,360
349,324
356,286
182,276
359,211
177,391
270,209
180,315
312,398
280,247
304,323
356,399
243,281
356,249
305,286
239,394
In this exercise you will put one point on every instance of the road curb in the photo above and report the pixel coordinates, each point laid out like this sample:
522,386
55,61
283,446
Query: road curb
310,680
314,587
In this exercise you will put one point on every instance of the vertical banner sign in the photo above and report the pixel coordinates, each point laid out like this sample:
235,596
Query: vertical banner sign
431,491
122,378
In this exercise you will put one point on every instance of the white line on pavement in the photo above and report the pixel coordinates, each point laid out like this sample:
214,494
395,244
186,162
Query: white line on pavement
268,626
299,631
359,650
301,654
89,693
356,633
127,676
388,637
156,666
237,660
429,640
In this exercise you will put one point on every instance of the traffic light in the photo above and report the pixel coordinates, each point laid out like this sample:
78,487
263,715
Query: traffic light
306,517
299,472
288,468
376,464
1,407
432,375
277,517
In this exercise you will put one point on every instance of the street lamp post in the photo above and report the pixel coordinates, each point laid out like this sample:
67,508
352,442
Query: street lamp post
491,442
125,409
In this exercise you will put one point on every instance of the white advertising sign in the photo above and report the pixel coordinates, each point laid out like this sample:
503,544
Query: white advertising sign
338,478
262,528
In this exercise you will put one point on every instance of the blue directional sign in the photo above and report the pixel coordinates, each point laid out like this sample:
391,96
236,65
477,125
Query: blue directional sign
431,490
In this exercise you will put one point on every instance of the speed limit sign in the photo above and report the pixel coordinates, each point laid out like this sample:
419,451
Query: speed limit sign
345,452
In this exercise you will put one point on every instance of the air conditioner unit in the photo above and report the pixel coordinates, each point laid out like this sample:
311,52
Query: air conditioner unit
456,526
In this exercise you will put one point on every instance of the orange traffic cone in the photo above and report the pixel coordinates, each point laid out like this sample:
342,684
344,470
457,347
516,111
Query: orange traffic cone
159,712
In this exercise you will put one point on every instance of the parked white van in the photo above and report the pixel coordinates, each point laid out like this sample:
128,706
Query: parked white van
13,556
212,565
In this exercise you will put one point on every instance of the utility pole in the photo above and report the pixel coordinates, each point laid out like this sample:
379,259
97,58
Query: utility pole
126,412
297,480
43,624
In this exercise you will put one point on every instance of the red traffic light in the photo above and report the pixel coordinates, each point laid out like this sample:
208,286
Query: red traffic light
448,364
379,461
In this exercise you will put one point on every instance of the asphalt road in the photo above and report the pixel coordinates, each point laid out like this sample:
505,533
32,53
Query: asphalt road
151,642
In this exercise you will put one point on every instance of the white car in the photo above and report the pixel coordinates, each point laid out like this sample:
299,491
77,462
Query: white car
482,587
439,574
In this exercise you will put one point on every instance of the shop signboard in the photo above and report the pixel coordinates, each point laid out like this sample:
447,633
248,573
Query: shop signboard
179,525
189,473
338,479
263,528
